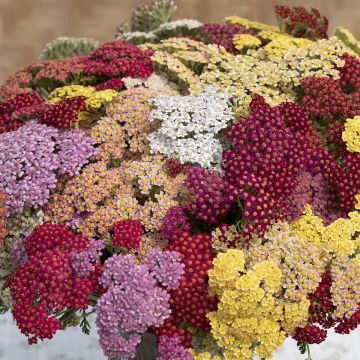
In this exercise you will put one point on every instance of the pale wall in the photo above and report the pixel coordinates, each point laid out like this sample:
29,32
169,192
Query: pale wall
25,25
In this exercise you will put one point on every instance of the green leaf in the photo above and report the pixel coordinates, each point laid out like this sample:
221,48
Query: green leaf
85,326
302,347
3,308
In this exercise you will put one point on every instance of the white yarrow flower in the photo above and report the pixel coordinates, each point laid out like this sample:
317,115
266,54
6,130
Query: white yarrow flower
172,25
189,126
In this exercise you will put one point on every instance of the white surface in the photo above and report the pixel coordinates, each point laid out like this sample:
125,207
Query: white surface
73,345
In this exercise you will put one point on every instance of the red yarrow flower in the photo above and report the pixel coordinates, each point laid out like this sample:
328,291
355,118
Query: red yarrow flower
127,234
46,283
310,334
119,58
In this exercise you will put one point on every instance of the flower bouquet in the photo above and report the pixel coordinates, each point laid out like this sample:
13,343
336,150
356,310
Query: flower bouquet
196,186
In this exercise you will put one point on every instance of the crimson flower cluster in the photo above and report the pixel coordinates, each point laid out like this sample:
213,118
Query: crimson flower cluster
63,113
300,22
22,107
350,73
321,310
347,181
190,302
112,84
320,313
310,334
321,305
11,110
119,58
175,222
127,234
297,119
46,283
330,102
347,325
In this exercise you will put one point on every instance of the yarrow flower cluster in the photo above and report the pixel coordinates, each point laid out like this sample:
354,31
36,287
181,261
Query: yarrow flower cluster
84,262
166,267
189,125
127,233
119,58
132,301
31,157
174,223
302,23
46,282
351,134
196,186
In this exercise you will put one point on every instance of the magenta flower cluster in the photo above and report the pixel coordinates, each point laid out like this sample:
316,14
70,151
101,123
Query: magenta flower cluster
269,152
212,195
30,158
175,222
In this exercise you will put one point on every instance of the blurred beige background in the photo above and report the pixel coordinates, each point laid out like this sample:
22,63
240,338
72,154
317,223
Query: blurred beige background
26,25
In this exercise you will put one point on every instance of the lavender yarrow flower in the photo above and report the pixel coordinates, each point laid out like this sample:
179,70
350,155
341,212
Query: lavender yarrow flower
170,348
175,222
117,346
120,270
18,253
27,165
75,150
84,262
131,304
132,310
30,158
166,267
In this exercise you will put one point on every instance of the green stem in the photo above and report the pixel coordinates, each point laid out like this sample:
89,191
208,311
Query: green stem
308,352
85,315
63,312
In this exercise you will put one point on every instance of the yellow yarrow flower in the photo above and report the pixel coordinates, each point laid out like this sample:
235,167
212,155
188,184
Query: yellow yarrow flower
98,98
351,134
249,24
204,355
248,319
245,41
94,99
